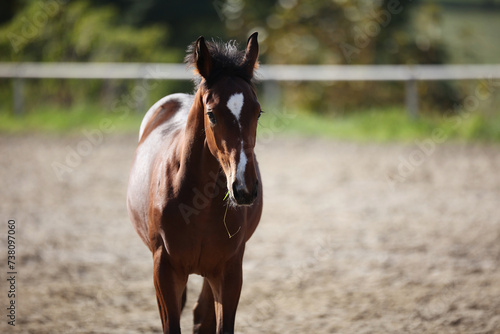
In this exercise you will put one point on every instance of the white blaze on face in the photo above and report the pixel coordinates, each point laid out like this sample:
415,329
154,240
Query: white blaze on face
242,164
235,105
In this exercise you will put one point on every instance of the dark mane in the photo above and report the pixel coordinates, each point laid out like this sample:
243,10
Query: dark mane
227,60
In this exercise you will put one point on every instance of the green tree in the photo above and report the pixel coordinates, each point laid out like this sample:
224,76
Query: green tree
56,31
345,32
76,31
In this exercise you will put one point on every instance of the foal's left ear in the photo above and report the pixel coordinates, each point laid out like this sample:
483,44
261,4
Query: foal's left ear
250,62
202,57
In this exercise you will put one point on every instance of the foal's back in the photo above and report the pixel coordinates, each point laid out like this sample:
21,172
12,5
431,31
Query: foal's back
161,130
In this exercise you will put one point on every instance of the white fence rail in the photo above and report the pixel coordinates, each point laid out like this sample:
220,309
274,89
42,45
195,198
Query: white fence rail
267,73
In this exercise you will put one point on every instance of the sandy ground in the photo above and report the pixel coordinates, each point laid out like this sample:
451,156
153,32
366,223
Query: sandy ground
355,238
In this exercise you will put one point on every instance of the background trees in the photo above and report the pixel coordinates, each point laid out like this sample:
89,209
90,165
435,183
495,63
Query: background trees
291,32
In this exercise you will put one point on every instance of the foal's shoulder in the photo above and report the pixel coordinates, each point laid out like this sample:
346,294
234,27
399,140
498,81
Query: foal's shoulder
171,108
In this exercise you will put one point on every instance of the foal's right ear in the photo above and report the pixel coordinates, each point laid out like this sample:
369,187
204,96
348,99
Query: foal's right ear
250,62
202,57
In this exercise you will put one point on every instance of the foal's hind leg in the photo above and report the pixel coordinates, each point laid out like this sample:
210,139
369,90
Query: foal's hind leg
204,311
169,287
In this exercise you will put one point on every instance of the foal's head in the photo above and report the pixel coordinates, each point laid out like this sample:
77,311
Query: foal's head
231,111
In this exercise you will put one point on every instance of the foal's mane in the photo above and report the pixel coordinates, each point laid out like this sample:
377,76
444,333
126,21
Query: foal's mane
227,60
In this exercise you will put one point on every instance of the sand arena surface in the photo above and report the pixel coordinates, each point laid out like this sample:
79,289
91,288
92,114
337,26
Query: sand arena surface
347,243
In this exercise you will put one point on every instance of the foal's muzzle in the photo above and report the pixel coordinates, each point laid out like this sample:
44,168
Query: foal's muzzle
244,196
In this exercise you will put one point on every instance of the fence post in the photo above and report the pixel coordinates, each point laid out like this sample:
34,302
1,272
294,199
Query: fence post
141,101
18,88
411,98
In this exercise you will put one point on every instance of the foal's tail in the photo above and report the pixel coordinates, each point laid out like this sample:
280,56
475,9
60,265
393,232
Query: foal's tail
184,297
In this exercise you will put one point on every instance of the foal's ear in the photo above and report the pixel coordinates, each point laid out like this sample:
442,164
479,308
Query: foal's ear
202,57
250,62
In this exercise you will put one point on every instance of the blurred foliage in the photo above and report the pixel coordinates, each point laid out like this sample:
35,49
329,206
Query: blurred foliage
186,19
79,32
290,32
348,32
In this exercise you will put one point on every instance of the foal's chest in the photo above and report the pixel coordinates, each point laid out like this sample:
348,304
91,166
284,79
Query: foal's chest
204,244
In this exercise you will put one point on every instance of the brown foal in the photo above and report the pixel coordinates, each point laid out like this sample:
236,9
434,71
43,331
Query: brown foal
193,152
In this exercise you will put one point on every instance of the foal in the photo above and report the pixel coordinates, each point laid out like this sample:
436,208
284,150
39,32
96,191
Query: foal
193,152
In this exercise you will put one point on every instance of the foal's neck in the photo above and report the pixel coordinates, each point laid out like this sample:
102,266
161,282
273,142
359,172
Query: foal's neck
196,158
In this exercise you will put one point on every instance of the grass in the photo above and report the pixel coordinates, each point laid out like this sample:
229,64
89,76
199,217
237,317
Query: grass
384,125
62,121
378,125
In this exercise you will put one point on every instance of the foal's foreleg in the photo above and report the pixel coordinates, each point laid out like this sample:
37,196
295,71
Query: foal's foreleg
169,287
226,290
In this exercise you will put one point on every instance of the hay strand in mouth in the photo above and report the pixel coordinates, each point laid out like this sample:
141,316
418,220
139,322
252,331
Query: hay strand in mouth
225,214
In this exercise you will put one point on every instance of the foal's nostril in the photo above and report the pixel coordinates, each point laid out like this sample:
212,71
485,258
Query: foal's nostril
244,196
255,191
236,193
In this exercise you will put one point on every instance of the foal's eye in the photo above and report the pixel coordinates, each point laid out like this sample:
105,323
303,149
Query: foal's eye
211,117
260,114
